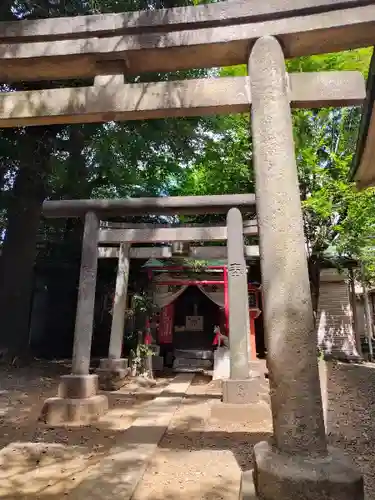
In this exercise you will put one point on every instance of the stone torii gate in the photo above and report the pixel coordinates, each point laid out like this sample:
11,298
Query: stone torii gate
78,399
296,463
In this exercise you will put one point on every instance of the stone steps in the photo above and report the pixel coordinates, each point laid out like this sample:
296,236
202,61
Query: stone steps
192,360
193,353
194,364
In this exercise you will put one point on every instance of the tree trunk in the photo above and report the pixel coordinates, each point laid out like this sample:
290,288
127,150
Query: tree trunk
59,338
19,249
77,187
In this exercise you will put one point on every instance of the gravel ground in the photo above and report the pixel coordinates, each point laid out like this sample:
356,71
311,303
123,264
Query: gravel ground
35,458
351,415
198,458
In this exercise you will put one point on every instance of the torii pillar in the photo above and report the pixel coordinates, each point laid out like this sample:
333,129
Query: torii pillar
242,391
78,400
114,369
241,375
296,464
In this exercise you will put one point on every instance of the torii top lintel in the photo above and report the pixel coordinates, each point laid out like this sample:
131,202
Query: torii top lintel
167,40
168,205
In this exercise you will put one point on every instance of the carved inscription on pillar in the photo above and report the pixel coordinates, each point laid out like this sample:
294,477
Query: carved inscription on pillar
236,270
241,391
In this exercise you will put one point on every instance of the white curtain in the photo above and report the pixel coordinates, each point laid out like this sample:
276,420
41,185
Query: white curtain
166,294
214,293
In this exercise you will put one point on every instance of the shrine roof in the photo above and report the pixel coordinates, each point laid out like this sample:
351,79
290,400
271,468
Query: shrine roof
187,263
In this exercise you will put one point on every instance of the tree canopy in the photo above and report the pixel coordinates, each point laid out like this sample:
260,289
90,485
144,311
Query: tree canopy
338,220
190,156
76,161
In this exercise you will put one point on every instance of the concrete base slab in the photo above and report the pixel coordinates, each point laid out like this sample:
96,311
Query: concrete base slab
234,412
242,391
113,373
58,411
143,381
284,477
247,488
112,380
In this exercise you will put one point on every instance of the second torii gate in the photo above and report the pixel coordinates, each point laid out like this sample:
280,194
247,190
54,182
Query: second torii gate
87,403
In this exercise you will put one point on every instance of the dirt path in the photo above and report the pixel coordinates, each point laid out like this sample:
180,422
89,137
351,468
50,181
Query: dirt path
202,459
351,416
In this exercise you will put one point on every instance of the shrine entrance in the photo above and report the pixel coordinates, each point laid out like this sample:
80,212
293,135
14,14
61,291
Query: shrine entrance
192,300
195,319
102,48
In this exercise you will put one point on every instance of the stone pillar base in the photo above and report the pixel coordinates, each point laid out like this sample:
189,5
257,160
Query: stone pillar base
77,402
242,391
112,373
283,477
243,401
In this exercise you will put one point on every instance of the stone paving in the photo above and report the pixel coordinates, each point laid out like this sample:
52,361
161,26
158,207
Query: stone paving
201,458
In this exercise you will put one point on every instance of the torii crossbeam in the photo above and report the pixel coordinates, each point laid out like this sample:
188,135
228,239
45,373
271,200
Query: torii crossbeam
204,36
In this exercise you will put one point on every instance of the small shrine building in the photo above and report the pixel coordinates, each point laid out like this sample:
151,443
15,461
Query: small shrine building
192,300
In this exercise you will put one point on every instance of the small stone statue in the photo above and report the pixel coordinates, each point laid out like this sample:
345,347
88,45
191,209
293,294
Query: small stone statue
220,339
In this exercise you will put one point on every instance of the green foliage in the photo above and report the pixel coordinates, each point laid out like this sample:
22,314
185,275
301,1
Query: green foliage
224,165
201,156
142,302
130,342
195,266
350,60
338,220
336,215
138,358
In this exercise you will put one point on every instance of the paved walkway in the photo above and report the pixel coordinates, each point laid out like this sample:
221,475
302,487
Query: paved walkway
38,462
200,458
118,474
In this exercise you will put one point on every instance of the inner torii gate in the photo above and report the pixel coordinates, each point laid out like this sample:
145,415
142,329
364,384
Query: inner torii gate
296,463
79,390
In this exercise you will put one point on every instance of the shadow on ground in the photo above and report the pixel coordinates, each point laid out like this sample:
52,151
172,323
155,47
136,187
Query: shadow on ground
74,477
